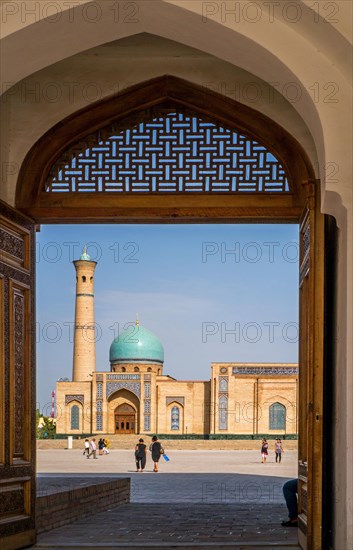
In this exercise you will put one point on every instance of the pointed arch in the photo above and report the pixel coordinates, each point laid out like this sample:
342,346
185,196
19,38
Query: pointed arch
66,139
75,417
277,416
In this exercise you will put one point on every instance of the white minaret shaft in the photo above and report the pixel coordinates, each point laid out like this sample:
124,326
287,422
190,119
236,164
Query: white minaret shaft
84,364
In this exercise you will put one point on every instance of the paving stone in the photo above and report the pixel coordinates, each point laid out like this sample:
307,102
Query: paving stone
226,504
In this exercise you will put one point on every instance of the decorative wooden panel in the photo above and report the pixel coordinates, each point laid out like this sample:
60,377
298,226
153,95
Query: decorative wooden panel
14,244
305,250
17,382
19,312
160,151
311,345
2,372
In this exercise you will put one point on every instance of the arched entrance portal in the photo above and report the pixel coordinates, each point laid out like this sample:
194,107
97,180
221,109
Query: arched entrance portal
125,419
265,177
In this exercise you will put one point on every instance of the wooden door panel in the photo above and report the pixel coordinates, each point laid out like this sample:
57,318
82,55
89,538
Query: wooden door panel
17,380
125,424
311,316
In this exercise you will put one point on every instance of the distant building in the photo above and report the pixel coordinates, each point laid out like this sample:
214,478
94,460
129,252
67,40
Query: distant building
136,397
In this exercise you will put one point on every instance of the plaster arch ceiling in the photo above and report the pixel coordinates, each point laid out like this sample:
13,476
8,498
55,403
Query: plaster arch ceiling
30,24
42,100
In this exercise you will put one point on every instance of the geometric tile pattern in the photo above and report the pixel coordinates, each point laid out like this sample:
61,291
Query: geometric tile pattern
264,370
112,387
171,152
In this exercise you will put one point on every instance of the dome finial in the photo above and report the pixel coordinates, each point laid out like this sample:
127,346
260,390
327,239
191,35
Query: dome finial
84,255
137,320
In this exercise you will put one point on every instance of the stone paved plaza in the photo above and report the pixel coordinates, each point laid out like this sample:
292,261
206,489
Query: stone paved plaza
197,500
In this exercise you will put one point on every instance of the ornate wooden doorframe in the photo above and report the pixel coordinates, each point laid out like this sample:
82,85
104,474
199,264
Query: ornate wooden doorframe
299,203
17,380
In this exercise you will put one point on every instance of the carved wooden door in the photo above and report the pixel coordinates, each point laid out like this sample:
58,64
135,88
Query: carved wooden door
17,380
125,419
311,358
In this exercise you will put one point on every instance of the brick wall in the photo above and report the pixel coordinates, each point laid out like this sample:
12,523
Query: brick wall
57,509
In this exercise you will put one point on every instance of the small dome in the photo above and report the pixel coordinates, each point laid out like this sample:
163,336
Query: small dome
136,345
84,255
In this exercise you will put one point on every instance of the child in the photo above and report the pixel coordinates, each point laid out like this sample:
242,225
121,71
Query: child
86,450
264,450
278,450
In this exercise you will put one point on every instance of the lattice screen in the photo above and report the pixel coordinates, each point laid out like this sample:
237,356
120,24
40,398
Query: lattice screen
170,153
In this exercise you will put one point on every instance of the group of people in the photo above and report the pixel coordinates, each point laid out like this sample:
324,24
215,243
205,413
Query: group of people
290,488
141,454
91,447
278,450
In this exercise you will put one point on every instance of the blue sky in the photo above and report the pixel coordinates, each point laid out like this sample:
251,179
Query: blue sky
209,292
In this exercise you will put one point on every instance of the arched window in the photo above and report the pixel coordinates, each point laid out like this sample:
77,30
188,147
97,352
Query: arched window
175,418
223,412
136,369
83,278
75,417
123,369
149,369
277,416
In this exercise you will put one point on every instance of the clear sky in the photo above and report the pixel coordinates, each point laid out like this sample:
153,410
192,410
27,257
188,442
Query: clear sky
209,292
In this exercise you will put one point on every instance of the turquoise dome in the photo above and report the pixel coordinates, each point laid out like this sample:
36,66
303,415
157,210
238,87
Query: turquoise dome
84,255
137,345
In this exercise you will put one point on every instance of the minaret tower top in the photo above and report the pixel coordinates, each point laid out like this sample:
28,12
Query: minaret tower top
84,363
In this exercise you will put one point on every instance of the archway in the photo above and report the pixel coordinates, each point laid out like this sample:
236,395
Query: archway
125,419
296,201
123,412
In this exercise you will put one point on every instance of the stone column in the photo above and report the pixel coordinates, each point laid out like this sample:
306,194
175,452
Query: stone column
84,363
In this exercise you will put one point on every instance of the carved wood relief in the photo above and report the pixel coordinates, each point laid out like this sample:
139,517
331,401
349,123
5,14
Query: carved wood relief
17,383
2,371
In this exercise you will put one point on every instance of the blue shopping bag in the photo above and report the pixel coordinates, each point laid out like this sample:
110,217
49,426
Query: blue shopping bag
166,458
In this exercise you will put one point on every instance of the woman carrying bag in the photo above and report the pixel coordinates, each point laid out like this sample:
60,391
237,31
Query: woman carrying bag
140,456
156,450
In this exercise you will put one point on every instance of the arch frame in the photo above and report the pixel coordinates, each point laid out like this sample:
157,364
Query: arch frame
272,415
75,406
164,91
175,404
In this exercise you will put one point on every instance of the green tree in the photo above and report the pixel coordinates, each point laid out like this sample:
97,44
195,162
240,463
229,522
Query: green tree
48,428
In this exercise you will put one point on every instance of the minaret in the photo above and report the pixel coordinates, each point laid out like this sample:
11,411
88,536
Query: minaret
85,335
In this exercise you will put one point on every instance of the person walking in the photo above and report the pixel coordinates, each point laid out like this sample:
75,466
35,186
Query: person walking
93,448
278,450
106,446
156,450
264,450
101,446
86,449
140,455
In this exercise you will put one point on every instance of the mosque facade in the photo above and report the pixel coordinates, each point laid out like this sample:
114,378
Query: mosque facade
135,396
